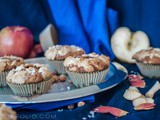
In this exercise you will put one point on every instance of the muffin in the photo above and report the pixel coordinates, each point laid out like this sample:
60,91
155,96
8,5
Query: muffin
148,62
6,64
6,113
87,69
29,79
57,54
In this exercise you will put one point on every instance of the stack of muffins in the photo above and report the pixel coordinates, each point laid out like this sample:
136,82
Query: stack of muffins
83,69
26,79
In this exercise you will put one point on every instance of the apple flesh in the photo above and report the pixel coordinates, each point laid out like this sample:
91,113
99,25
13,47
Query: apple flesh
125,43
16,40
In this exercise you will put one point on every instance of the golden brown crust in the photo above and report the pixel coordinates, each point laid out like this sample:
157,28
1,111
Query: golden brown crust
60,52
7,113
10,62
148,56
29,73
87,63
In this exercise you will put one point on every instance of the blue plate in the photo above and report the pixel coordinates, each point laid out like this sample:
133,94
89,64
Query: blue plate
61,94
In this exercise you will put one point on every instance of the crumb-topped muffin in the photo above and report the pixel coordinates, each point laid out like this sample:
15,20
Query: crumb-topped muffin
87,63
6,64
57,54
150,56
10,62
6,113
87,69
61,52
29,79
148,62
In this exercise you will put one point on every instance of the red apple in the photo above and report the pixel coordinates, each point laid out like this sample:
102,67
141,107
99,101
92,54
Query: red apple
16,40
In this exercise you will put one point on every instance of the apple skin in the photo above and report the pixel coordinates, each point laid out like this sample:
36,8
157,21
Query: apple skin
16,40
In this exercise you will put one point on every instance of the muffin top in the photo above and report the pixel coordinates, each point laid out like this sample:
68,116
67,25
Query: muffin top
87,63
150,56
6,113
10,62
29,73
60,52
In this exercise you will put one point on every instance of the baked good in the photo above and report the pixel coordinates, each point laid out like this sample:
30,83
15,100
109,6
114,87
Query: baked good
87,69
57,54
6,113
6,64
87,63
29,79
148,62
61,52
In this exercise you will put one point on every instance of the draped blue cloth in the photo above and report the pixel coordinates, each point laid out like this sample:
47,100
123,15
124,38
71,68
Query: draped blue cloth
85,24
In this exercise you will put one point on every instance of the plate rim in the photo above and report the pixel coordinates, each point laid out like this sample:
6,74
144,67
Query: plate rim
95,89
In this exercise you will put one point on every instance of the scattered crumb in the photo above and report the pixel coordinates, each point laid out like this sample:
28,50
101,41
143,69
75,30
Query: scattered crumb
62,78
89,116
70,106
60,110
84,118
81,103
92,114
68,88
54,73
55,78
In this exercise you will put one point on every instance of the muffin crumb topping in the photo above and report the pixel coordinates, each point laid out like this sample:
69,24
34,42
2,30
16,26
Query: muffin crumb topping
60,52
87,63
29,73
150,55
10,62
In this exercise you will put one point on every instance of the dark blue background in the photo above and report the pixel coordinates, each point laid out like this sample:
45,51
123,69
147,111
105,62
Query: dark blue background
135,14
140,15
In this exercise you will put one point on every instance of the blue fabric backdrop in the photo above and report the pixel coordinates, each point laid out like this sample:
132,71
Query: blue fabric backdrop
86,24
94,23
140,15
29,13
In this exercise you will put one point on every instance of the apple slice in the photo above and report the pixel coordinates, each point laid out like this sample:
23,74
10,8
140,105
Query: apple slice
139,101
125,44
131,94
112,110
145,106
120,67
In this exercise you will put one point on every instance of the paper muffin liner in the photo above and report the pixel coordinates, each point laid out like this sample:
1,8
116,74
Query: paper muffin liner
58,66
87,79
6,91
149,70
31,89
3,75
